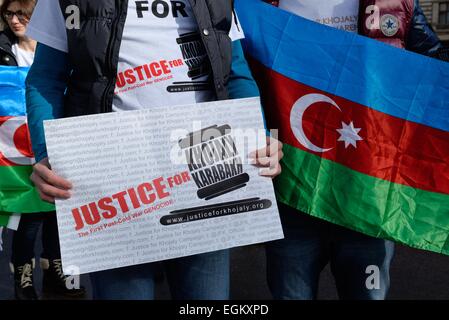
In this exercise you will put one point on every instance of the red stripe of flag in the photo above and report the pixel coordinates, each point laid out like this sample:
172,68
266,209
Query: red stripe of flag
392,149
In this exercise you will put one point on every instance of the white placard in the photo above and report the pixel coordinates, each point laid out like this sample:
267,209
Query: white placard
14,220
136,197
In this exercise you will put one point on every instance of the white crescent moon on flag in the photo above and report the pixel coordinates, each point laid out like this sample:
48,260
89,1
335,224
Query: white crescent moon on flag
296,116
7,146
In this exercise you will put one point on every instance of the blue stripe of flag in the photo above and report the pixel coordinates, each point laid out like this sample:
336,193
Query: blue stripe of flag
12,91
390,80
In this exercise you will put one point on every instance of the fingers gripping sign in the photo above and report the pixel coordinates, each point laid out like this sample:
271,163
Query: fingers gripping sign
268,159
49,185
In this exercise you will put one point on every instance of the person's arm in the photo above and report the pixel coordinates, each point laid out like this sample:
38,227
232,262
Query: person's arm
45,87
273,2
422,38
241,82
442,54
242,85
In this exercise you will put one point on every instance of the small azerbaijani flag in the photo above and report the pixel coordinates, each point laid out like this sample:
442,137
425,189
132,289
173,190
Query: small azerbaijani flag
365,126
17,193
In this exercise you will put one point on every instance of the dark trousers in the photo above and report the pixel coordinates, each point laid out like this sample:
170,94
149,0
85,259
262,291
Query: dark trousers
24,238
295,263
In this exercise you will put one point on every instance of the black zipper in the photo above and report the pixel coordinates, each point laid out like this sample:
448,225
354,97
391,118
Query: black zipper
10,54
112,44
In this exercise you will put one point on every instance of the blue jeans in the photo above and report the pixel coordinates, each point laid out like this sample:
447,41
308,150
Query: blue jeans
295,263
199,277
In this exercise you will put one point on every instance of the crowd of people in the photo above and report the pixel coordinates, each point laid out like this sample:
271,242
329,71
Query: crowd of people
17,49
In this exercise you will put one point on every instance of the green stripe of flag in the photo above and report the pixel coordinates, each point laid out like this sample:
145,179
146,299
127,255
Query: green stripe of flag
376,207
17,194
4,219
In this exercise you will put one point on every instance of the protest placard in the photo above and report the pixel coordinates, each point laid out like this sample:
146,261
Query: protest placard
161,183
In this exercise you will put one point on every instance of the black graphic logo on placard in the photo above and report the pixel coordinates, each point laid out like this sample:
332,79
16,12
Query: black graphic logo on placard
195,57
214,162
215,211
217,169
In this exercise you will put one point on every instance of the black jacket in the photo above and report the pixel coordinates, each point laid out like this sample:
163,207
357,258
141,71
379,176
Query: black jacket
94,49
7,39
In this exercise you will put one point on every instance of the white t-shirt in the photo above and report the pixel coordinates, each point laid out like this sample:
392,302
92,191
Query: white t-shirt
167,65
341,14
24,58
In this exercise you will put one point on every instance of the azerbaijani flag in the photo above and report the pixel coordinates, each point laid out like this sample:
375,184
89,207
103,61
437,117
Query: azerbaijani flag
365,126
17,194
